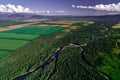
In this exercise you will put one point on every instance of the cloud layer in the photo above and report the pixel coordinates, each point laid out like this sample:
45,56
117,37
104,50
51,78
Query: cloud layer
50,12
13,8
42,12
105,7
9,8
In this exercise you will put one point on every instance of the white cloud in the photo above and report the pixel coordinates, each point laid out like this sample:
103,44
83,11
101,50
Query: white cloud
106,7
49,12
73,6
42,12
10,8
61,11
13,8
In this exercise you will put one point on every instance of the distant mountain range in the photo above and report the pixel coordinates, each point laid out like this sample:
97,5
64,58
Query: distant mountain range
30,15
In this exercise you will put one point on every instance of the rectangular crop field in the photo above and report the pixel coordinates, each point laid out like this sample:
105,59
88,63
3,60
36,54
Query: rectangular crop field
46,30
3,53
17,36
7,44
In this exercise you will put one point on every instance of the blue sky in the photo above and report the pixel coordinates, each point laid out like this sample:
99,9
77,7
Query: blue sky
61,7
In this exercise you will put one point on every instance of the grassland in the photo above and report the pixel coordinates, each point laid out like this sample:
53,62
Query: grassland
7,44
37,30
17,36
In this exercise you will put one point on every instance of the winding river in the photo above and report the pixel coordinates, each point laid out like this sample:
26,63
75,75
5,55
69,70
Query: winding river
56,55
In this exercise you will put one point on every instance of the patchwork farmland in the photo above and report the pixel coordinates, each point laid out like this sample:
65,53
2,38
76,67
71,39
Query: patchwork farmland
13,39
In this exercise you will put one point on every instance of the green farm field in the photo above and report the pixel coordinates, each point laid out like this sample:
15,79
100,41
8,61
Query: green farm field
3,53
7,44
17,36
36,30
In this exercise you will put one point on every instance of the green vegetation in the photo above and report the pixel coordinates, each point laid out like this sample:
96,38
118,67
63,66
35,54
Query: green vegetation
4,23
15,39
3,53
70,66
37,30
78,24
7,44
104,53
18,36
32,55
103,58
101,55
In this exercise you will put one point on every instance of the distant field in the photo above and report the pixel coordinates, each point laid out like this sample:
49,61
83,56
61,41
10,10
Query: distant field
7,44
17,36
4,23
36,30
3,53
117,26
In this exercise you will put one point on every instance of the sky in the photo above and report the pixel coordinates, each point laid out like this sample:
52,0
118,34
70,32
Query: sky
61,7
